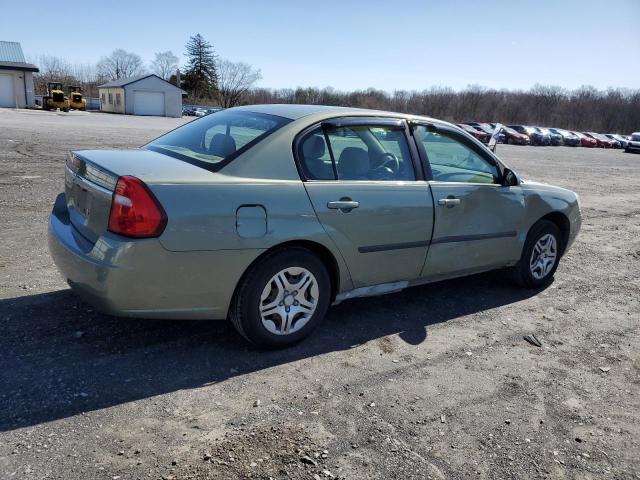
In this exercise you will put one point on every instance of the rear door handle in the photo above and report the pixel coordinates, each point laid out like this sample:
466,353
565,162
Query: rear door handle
344,205
449,202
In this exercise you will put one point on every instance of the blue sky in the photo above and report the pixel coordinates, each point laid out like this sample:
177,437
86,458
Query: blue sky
392,44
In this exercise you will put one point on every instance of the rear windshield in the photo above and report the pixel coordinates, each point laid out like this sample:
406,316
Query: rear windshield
213,141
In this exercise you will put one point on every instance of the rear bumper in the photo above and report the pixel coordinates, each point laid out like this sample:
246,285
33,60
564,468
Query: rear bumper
140,278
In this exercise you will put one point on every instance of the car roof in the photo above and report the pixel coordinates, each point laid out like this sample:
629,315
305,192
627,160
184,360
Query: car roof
297,111
294,112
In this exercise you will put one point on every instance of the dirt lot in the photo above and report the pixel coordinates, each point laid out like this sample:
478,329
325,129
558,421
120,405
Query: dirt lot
434,382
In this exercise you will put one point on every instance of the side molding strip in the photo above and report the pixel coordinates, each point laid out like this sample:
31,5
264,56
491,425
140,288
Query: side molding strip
469,238
393,246
426,243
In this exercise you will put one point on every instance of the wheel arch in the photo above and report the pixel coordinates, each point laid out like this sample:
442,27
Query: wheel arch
562,222
321,251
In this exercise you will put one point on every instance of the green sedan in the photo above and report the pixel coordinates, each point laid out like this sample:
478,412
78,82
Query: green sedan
269,214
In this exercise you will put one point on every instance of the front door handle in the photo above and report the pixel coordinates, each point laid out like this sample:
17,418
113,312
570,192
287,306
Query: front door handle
344,205
449,202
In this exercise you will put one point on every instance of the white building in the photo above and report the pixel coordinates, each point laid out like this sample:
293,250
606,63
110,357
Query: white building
16,77
143,95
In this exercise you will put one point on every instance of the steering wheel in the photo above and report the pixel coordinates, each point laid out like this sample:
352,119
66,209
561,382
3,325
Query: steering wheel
392,163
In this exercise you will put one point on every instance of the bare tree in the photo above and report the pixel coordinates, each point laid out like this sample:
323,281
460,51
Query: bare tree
234,81
120,64
52,66
584,109
165,64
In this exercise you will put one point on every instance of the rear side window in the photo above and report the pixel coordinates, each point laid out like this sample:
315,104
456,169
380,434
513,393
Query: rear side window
214,140
358,152
315,157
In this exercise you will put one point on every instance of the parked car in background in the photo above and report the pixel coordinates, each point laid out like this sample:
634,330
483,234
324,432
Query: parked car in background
515,138
535,137
487,128
268,214
199,112
586,141
545,137
633,146
601,140
621,139
555,139
481,135
568,138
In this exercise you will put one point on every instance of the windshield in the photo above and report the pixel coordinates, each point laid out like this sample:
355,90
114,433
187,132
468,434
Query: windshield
213,141
510,131
485,128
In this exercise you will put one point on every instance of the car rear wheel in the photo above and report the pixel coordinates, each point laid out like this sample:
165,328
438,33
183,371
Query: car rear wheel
540,256
282,298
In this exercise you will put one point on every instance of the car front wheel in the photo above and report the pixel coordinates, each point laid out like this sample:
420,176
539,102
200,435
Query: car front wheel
282,298
540,256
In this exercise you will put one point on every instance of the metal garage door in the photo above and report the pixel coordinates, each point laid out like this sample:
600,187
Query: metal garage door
7,94
148,103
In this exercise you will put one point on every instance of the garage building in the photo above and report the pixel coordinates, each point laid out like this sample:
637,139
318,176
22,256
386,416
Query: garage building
143,95
16,77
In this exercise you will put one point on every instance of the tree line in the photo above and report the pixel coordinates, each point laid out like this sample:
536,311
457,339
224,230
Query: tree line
210,80
614,110
207,79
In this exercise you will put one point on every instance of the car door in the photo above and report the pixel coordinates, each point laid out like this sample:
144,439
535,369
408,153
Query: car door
365,183
477,219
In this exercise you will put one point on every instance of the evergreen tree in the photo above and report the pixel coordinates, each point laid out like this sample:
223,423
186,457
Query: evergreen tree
200,77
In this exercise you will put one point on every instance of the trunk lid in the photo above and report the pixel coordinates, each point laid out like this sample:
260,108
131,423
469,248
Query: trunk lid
91,177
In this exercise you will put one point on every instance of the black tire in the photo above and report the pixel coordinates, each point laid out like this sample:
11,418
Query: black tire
510,141
244,312
521,273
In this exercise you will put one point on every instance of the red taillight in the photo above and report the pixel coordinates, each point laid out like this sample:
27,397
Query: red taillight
135,212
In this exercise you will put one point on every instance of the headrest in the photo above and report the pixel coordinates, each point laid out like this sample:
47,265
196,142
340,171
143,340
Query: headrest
353,163
222,145
313,147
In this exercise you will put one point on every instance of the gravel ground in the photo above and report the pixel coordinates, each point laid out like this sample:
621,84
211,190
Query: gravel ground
434,382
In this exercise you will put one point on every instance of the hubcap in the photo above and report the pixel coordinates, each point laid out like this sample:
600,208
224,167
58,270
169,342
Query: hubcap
543,256
289,300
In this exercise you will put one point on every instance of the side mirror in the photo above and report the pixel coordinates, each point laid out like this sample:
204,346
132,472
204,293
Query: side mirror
509,178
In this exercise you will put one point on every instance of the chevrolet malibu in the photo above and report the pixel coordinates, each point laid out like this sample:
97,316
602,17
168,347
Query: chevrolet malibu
269,214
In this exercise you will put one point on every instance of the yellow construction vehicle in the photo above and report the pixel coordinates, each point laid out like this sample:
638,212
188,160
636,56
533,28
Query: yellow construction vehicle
76,101
55,98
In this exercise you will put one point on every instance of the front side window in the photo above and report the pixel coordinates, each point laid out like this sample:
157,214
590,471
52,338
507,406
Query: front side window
110,98
117,99
214,140
453,161
103,98
358,152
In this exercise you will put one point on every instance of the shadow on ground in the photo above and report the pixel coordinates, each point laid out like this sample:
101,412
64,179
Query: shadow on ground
59,358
